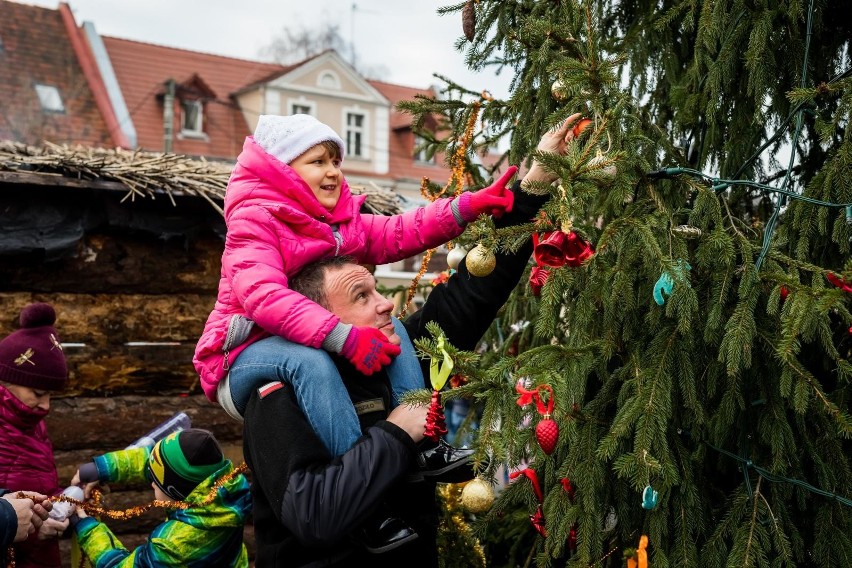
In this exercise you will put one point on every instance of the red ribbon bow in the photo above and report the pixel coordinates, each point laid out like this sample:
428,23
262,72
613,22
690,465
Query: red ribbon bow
528,396
537,518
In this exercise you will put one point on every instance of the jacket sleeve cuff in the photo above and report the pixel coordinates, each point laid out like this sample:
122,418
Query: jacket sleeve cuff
82,525
88,472
335,339
462,212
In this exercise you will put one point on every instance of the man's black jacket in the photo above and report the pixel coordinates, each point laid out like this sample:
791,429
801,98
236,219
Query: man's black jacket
306,503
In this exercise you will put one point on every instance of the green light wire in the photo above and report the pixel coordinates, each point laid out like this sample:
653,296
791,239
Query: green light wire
764,473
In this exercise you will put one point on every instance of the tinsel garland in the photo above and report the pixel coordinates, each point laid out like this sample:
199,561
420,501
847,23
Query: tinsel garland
457,177
455,524
94,508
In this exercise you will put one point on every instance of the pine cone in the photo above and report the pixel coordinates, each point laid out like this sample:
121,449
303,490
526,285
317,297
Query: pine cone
469,20
546,432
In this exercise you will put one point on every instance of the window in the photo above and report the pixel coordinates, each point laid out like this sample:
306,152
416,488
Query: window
419,153
355,135
192,117
50,99
297,108
328,80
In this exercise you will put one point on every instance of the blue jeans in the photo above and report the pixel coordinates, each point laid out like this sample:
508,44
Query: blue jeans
317,383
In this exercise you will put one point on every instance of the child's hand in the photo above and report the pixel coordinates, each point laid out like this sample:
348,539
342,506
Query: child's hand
494,200
368,349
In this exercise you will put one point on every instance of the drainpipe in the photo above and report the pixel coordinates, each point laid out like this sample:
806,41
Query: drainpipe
168,116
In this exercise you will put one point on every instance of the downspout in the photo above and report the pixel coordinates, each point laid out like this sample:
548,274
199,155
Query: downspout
168,116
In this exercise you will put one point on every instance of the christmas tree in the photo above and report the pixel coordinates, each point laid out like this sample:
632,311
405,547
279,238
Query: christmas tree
685,332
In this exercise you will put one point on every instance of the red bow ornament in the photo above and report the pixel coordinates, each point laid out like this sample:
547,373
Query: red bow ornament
537,518
547,430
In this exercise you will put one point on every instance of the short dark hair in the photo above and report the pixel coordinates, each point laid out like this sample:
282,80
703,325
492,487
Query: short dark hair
310,281
332,148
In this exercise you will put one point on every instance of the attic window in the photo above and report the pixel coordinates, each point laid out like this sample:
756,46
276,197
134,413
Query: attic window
192,118
328,80
50,99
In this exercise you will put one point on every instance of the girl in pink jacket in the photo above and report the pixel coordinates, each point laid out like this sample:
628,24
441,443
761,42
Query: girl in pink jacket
287,205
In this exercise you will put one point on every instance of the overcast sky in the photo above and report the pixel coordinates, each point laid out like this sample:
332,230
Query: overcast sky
407,39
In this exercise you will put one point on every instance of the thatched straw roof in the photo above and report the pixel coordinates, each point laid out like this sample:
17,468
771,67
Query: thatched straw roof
147,174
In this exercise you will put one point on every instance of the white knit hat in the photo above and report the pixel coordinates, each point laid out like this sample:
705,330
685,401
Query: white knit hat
288,137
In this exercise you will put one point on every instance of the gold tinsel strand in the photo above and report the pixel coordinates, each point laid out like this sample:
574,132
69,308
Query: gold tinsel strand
95,509
458,177
450,494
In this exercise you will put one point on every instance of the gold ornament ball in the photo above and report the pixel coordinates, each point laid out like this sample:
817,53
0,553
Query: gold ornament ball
477,496
480,261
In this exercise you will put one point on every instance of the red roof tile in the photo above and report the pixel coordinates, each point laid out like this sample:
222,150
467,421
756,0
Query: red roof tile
143,68
401,143
35,49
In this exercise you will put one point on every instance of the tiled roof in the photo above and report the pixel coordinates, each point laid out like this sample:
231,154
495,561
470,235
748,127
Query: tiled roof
401,141
143,68
35,49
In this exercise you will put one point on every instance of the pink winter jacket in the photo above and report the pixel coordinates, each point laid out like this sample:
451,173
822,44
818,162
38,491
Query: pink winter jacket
275,226
27,464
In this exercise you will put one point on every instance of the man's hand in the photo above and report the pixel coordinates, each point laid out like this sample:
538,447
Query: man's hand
494,200
553,142
31,513
412,419
52,529
368,349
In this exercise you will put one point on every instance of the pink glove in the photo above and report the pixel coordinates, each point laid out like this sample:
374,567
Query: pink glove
368,349
494,199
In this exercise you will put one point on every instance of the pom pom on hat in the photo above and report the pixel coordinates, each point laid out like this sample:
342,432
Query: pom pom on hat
182,460
37,315
32,356
288,137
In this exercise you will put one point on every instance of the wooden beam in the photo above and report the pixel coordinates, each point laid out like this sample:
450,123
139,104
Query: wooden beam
58,180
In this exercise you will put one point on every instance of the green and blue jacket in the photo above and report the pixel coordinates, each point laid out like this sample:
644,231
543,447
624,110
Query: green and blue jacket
204,534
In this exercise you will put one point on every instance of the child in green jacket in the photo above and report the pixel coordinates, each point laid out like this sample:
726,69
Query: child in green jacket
182,467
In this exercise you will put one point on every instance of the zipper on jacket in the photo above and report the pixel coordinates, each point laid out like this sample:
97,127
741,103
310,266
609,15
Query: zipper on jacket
338,238
239,329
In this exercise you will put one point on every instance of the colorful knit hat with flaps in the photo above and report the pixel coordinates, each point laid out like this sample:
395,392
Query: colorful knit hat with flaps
288,137
182,460
32,356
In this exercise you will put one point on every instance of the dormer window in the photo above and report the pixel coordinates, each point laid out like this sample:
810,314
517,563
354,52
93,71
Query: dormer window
50,99
192,118
420,155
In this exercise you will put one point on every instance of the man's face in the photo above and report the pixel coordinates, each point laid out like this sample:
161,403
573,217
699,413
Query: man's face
322,174
351,294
